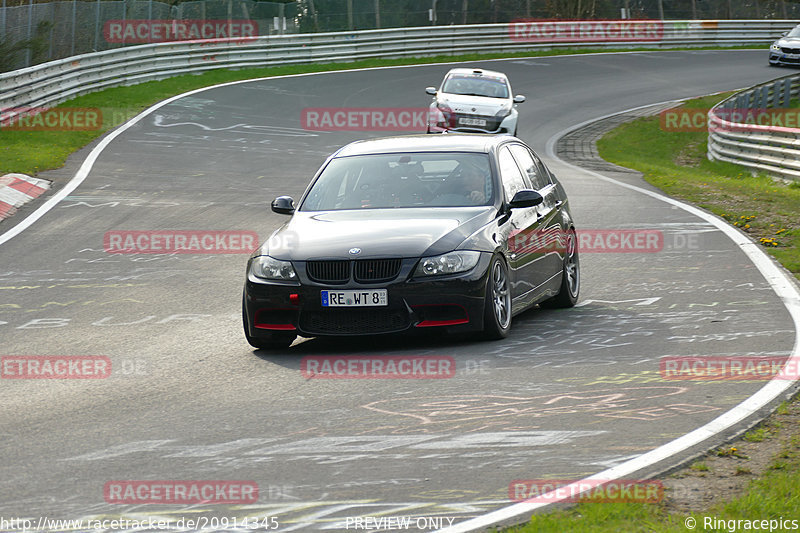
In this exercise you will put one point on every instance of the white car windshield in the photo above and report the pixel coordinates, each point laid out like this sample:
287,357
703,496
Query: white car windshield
794,33
476,86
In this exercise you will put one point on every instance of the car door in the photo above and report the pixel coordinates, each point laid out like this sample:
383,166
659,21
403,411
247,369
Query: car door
524,261
550,237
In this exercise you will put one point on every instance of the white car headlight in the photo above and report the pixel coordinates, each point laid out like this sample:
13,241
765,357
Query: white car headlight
775,47
503,112
450,263
267,267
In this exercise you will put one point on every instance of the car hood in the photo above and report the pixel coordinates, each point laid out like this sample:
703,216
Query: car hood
377,233
790,42
473,105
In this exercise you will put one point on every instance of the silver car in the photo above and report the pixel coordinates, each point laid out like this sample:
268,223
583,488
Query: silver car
786,50
473,100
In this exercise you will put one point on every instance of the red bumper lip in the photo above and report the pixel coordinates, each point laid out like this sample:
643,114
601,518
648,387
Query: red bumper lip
280,319
276,327
437,315
437,323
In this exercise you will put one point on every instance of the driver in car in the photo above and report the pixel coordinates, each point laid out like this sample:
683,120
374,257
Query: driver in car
465,186
473,182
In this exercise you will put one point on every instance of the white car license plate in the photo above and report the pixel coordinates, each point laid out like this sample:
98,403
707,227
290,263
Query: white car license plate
472,121
369,298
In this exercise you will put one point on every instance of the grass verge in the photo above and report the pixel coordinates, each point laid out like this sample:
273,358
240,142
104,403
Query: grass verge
30,152
769,493
676,162
765,462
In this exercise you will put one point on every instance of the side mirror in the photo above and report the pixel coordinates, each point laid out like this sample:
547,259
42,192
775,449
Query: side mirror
431,91
519,99
784,34
283,205
525,198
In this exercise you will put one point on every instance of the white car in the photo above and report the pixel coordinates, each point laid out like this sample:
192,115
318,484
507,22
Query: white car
786,50
474,100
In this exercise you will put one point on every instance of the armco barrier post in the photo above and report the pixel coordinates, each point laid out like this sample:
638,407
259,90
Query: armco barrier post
28,54
74,23
96,25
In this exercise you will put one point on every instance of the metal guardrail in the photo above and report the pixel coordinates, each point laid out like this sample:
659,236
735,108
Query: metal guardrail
764,147
57,81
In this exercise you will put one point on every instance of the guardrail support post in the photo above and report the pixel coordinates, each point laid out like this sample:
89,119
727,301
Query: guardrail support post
74,23
350,15
775,94
28,54
3,18
787,92
96,25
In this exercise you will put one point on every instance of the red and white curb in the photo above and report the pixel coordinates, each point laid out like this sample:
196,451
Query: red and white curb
18,189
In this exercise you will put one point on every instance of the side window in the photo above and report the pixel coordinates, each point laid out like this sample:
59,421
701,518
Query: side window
532,167
510,174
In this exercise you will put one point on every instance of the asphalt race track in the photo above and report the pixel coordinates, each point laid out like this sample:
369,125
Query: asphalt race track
568,394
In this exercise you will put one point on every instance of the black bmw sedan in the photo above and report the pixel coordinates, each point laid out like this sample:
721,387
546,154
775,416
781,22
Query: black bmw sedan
459,231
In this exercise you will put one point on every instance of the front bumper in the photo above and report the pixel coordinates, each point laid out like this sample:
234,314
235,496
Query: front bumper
780,58
439,123
453,302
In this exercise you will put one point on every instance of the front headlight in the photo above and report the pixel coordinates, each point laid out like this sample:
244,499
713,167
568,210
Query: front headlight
450,263
504,112
267,267
775,47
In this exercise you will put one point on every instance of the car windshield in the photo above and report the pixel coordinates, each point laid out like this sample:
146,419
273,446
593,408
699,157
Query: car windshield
476,86
795,32
387,181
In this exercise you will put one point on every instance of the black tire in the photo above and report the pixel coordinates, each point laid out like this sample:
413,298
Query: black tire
497,303
570,277
275,341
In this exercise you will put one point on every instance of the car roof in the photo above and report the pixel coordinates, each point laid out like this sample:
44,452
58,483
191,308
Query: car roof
446,142
472,72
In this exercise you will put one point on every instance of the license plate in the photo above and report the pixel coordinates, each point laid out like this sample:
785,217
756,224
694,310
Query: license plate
371,298
472,121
